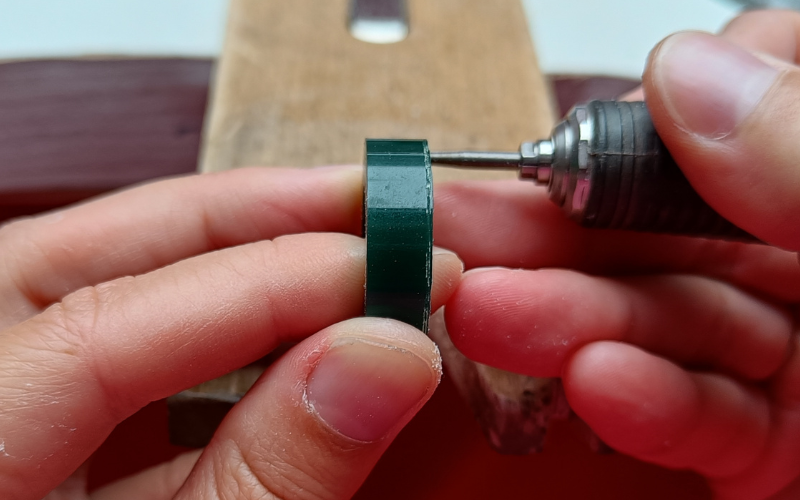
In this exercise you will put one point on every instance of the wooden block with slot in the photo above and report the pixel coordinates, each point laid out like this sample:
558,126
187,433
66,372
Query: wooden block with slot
295,88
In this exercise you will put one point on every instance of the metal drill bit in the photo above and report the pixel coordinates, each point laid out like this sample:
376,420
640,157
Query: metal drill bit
532,161
478,159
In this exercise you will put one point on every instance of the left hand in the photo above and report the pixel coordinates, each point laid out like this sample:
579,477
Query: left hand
121,301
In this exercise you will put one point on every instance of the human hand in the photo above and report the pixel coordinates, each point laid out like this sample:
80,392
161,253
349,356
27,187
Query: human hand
107,306
681,352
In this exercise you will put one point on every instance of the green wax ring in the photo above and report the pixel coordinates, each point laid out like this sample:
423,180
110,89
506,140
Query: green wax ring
398,227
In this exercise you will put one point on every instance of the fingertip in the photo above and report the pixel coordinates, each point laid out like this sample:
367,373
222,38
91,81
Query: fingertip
367,388
636,402
478,320
358,380
319,419
393,333
365,377
447,269
707,84
530,322
654,410
727,117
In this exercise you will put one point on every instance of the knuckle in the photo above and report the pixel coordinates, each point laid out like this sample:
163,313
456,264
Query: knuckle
16,244
73,327
720,322
75,317
746,334
66,327
22,251
13,229
43,358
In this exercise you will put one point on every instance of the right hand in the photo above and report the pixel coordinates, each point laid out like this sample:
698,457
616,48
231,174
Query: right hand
681,352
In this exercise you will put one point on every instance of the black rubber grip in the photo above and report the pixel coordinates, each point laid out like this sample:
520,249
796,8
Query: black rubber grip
635,183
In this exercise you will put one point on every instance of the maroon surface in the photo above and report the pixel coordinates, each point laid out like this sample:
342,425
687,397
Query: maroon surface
71,129
442,455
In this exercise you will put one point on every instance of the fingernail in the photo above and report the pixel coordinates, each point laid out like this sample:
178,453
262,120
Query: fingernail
443,251
709,85
443,259
364,390
479,270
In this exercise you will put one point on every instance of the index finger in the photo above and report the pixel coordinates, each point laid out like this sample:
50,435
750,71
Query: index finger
514,224
44,258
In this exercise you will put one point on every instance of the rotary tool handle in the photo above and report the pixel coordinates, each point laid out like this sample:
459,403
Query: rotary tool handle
634,182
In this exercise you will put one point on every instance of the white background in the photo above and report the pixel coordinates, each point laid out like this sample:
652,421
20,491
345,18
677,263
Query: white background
609,37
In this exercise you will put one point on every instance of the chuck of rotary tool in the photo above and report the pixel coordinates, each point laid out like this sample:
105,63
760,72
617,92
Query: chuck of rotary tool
560,162
532,162
606,167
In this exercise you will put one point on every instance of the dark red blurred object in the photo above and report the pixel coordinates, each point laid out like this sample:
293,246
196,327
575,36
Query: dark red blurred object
443,455
73,129
570,90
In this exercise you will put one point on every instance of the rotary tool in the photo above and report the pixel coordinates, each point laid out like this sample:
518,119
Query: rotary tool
606,167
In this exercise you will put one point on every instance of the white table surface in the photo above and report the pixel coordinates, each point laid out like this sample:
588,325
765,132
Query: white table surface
610,37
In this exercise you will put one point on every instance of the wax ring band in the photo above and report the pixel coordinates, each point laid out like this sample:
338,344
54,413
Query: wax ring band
398,227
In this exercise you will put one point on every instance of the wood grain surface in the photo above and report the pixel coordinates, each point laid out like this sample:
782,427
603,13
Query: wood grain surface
294,88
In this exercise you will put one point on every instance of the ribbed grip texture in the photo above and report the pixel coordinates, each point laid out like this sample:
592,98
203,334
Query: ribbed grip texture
635,183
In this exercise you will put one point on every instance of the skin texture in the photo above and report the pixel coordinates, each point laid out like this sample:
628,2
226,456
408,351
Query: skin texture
127,299
680,352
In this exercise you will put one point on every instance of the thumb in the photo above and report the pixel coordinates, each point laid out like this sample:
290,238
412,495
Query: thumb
318,420
731,120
